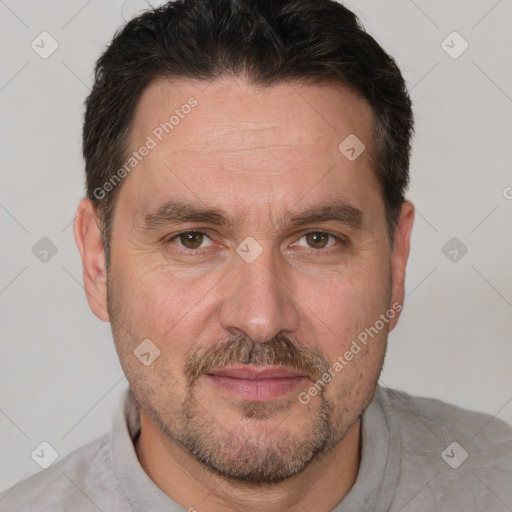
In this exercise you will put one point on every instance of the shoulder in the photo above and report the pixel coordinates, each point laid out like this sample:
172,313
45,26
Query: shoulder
444,419
448,456
74,483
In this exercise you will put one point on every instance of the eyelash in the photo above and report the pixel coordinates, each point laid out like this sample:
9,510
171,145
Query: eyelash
202,252
195,252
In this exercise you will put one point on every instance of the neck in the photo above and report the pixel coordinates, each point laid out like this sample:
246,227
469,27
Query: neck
320,486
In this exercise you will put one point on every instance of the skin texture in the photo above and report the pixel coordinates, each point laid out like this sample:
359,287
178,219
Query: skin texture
261,155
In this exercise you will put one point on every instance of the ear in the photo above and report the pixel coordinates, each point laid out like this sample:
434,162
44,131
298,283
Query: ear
88,239
400,255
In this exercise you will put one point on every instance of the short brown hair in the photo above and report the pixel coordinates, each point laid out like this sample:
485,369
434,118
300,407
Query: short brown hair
263,41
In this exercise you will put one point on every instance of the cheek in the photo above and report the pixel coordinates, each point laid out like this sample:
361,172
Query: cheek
150,306
346,304
355,342
163,307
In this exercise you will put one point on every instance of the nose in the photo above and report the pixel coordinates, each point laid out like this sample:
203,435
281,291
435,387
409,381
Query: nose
257,301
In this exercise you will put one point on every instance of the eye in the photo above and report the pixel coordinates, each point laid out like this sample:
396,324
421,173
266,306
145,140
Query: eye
318,240
191,239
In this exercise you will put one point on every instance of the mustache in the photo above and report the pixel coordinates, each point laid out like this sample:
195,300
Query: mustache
240,349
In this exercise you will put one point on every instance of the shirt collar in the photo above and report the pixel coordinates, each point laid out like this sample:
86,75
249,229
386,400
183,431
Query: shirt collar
377,478
140,492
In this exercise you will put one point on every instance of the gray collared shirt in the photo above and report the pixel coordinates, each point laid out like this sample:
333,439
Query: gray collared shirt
418,455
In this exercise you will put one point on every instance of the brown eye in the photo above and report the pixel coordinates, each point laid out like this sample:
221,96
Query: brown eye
191,239
317,240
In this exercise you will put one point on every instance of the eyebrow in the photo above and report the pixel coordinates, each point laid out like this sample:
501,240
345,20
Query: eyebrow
174,212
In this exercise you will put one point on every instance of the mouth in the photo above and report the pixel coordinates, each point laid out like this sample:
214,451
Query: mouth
257,383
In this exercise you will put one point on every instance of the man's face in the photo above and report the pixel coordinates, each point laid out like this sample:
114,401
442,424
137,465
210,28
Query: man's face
255,290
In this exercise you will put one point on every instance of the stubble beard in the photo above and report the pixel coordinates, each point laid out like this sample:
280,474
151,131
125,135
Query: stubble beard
258,455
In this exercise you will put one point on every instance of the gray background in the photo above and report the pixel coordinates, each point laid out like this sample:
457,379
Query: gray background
60,377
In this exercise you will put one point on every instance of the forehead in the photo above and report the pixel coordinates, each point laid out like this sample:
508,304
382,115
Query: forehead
228,140
312,115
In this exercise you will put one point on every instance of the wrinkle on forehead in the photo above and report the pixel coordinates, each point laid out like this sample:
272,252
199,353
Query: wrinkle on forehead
233,114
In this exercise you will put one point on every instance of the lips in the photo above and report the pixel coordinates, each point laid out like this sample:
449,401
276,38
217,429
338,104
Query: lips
257,383
255,373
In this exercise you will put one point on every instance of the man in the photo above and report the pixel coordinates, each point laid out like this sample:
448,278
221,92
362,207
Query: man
245,232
